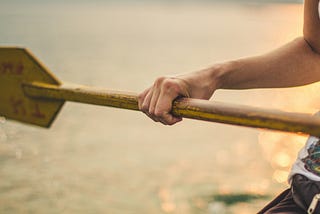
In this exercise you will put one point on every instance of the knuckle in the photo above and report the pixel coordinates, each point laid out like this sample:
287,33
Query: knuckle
176,89
171,86
167,84
159,81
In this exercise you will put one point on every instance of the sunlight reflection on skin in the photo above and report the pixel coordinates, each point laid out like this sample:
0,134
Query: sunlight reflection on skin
281,149
82,160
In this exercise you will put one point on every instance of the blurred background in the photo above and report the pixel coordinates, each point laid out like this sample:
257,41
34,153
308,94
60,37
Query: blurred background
105,160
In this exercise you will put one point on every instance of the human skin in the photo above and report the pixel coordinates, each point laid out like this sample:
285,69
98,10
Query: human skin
296,63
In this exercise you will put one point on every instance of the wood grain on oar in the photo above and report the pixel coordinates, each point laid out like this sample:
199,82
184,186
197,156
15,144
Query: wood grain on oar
184,107
30,93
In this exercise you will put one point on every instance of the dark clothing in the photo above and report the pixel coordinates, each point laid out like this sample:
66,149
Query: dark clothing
295,200
283,203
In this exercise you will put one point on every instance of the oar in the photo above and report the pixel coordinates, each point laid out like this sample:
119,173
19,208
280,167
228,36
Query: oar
30,93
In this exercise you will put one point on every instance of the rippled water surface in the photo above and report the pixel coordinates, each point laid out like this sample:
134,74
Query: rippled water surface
104,160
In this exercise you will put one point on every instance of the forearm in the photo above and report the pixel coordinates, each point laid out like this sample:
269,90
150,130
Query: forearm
293,64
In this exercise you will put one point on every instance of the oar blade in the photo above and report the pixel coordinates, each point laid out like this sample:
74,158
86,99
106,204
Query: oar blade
18,66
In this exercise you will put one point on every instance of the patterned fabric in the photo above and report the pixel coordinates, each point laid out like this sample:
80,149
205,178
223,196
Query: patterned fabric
312,161
308,160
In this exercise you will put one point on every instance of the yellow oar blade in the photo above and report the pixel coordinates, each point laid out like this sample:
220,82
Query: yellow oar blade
31,94
18,65
184,107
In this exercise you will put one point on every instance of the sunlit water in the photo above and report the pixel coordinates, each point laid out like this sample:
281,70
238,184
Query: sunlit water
104,160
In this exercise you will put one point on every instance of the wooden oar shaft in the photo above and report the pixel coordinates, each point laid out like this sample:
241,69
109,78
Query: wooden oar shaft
82,94
184,107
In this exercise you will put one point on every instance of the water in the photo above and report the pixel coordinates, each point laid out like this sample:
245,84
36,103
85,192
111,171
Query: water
104,160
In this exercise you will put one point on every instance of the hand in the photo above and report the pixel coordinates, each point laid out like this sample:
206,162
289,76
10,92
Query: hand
156,101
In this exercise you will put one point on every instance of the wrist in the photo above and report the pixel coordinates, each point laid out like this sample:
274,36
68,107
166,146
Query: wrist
218,75
203,83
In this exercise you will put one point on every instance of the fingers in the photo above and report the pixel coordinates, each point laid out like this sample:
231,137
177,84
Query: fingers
156,102
141,98
144,100
154,99
169,119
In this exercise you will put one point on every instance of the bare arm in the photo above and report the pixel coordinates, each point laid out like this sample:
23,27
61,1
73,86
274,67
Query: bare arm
311,24
294,64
